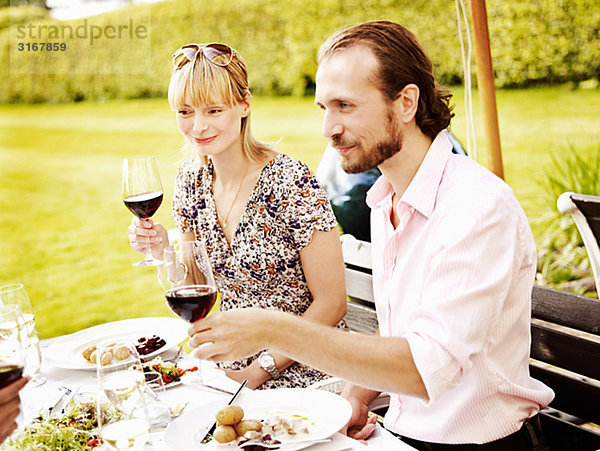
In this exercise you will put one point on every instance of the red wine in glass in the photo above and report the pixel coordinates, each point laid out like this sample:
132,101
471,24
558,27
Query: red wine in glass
144,205
142,194
9,372
191,302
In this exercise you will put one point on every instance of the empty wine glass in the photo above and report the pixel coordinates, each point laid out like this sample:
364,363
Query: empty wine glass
15,294
142,194
190,288
123,420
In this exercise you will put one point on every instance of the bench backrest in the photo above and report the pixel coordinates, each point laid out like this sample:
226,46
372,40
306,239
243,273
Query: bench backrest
565,349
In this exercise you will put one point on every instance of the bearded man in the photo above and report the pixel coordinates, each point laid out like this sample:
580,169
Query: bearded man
453,265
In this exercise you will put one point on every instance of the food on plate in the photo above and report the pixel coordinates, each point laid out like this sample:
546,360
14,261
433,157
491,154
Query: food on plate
271,430
170,371
147,346
87,352
75,430
224,434
285,424
230,415
245,426
113,351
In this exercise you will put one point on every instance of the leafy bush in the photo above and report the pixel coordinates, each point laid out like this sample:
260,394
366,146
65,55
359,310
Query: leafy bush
562,254
541,41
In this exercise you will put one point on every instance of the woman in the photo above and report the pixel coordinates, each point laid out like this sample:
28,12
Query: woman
269,230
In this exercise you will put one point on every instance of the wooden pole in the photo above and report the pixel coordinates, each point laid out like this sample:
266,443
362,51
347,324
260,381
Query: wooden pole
485,84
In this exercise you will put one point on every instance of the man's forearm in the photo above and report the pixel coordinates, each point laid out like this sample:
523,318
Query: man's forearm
371,361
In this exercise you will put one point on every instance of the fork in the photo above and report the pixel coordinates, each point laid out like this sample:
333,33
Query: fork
53,410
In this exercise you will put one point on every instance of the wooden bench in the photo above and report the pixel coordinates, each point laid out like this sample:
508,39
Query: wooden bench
565,350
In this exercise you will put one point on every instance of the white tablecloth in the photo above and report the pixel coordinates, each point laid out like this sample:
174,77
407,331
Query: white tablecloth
35,399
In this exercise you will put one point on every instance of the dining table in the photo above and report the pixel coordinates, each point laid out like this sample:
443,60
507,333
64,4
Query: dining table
194,393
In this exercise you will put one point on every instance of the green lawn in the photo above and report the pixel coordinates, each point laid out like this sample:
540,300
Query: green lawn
63,224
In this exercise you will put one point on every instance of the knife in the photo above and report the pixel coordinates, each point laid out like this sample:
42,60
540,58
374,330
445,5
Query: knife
213,426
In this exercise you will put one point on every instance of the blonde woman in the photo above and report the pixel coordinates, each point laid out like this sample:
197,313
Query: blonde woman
269,229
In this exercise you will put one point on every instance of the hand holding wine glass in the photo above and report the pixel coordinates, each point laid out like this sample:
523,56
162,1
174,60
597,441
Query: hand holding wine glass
142,194
12,363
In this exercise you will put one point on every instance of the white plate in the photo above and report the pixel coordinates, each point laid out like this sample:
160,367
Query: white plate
327,411
66,352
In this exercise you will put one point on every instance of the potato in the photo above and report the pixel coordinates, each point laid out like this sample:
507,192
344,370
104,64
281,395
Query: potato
230,415
106,358
224,434
121,352
87,352
94,356
247,425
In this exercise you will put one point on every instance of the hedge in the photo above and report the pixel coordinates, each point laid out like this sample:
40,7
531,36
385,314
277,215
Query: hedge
533,42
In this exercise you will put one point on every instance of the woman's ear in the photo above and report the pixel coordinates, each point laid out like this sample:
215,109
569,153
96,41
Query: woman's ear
407,102
246,106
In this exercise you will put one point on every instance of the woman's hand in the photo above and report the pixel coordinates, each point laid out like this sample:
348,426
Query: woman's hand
148,233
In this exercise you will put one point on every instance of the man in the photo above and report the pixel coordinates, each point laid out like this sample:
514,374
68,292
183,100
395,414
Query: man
453,264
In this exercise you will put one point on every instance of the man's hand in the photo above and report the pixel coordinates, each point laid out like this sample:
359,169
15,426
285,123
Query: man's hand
231,335
360,426
10,406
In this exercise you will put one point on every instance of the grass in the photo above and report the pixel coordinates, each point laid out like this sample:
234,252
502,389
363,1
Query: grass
63,224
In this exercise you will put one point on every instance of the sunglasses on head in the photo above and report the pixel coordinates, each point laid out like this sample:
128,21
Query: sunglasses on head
218,54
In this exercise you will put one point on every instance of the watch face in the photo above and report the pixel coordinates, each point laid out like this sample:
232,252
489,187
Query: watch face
266,360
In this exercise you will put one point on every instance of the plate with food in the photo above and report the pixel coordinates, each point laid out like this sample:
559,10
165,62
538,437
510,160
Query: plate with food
152,337
171,372
287,417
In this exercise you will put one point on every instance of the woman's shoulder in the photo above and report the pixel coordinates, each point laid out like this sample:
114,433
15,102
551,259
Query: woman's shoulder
288,168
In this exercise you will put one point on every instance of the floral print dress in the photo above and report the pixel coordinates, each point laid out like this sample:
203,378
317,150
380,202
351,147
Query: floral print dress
261,266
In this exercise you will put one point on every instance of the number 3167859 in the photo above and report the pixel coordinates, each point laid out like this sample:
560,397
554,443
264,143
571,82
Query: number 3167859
41,46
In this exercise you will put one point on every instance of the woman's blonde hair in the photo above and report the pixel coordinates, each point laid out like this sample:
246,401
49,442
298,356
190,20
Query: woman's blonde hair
206,83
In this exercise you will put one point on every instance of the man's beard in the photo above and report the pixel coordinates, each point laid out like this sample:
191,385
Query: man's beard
363,159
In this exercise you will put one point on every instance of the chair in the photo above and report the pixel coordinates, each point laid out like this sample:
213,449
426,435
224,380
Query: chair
585,211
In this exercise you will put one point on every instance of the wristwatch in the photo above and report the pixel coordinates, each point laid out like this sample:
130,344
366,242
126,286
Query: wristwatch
267,363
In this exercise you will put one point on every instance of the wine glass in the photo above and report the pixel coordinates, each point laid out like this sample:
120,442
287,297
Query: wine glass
142,194
189,284
123,421
15,294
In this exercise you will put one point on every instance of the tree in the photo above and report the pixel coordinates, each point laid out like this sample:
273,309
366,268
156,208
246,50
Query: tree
38,3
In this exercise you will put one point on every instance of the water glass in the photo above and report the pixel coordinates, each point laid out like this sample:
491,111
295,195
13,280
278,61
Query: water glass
15,294
159,410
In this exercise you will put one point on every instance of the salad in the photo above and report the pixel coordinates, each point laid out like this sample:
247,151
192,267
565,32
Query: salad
74,430
170,371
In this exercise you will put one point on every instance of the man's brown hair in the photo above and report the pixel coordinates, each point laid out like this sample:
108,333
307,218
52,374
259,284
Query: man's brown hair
402,61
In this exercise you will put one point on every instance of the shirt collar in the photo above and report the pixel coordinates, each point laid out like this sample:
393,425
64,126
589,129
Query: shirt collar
422,191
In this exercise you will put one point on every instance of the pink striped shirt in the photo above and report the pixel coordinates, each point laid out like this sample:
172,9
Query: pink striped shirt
455,279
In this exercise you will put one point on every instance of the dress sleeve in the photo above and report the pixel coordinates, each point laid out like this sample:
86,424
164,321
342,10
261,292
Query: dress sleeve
305,206
183,207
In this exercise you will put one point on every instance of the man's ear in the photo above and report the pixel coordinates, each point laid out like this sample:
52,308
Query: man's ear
407,103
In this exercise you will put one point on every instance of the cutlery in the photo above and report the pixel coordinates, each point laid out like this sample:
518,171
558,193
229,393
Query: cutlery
300,444
65,391
213,426
70,396
177,356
